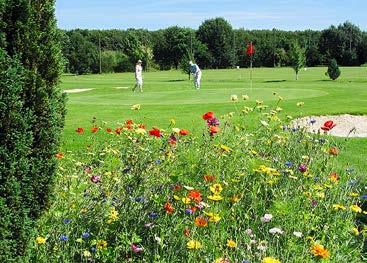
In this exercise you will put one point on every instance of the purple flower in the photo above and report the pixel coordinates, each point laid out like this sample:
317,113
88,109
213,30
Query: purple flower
312,121
245,261
302,168
64,238
288,164
313,203
66,221
137,249
364,197
213,122
189,211
139,199
95,178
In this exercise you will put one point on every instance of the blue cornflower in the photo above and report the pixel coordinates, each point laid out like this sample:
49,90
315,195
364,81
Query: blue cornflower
288,164
153,215
66,221
189,211
139,199
85,235
64,238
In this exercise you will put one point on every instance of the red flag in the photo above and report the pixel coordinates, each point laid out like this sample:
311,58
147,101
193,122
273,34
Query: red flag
250,49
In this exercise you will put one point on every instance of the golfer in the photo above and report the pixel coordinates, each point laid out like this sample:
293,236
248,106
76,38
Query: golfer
196,72
138,76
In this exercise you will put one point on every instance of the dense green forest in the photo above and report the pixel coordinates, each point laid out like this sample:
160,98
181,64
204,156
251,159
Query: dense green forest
215,44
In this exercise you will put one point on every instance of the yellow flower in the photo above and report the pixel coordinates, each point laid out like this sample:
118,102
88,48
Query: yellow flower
234,98
173,121
270,260
356,208
235,199
101,244
176,130
135,107
320,195
300,104
355,231
215,197
194,244
231,243
216,189
141,131
339,207
176,197
354,194
213,217
186,200
245,97
225,148
40,240
87,254
114,214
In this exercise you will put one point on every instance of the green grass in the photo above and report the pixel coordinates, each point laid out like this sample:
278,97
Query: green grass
170,95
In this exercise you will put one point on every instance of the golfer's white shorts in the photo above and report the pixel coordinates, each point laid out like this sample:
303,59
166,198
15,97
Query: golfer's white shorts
139,81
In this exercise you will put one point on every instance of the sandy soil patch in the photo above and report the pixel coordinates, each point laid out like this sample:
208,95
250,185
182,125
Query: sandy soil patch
76,90
346,125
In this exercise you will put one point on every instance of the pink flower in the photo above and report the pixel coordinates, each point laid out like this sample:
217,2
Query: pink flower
136,249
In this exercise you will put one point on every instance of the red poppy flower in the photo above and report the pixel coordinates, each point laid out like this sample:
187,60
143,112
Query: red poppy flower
94,129
184,132
129,122
118,130
155,132
59,155
333,151
79,130
214,129
328,125
109,130
208,115
141,126
195,195
209,178
169,208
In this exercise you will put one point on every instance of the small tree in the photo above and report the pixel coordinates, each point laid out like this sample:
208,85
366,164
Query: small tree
297,58
333,70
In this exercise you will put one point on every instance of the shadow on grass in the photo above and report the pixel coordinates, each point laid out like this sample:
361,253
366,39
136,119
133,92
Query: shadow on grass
176,80
274,81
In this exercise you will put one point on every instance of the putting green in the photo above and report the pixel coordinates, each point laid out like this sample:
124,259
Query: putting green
110,96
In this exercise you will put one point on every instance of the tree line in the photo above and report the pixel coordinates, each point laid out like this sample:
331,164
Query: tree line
215,44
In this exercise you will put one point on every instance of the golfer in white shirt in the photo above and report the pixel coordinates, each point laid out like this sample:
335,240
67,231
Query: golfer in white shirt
138,76
195,70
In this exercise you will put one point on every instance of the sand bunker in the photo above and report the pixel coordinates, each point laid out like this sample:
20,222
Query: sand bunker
346,125
76,90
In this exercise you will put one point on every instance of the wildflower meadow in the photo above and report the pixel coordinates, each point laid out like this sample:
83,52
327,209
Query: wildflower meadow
229,193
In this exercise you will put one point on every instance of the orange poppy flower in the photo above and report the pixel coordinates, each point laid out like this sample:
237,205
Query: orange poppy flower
177,187
208,115
129,122
186,232
109,130
59,155
209,178
94,129
169,208
184,132
214,129
195,195
118,130
201,221
79,130
333,151
334,177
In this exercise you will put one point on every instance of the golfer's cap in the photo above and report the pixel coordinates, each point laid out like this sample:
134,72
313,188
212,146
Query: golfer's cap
139,61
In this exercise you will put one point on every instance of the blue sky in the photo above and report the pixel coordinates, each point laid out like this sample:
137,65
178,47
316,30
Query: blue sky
255,14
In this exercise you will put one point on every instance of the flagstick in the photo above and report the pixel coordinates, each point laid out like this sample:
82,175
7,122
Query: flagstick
251,73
